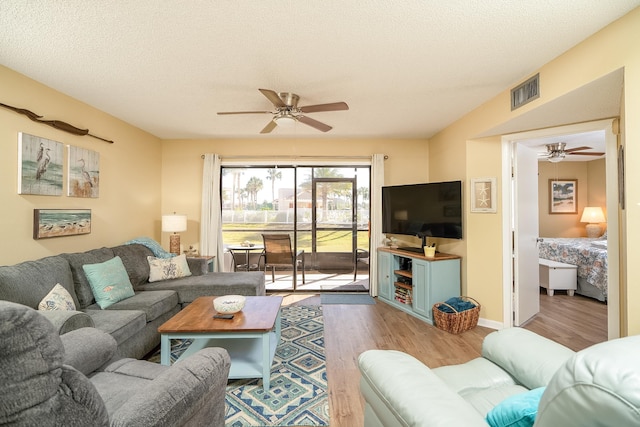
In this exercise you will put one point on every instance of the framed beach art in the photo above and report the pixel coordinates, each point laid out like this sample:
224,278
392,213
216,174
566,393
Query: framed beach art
39,165
60,222
83,178
483,195
563,196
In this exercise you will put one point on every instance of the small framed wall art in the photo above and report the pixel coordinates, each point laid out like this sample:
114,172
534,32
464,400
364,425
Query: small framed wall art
483,195
60,222
83,178
563,196
39,165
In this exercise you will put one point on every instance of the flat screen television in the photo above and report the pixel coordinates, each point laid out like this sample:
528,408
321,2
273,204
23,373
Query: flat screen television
424,210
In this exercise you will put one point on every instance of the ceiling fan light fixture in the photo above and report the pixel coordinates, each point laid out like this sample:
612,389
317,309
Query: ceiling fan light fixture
556,157
285,120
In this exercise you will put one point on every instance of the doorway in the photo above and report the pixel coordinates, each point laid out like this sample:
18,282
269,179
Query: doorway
515,200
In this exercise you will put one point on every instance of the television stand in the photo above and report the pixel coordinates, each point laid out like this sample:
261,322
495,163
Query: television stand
411,249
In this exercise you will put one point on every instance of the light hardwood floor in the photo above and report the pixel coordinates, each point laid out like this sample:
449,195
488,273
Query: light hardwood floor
352,329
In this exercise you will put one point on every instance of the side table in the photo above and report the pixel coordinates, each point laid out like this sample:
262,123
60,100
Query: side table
209,259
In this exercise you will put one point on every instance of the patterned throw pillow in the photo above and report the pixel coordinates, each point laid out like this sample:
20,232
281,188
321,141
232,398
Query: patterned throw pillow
58,298
109,281
169,268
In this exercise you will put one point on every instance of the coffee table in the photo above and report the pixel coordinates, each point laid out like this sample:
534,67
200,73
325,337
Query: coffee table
250,337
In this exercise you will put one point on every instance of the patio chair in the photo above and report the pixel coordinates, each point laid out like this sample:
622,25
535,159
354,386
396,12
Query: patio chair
278,253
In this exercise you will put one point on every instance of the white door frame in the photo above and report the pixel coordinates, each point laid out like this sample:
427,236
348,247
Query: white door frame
613,252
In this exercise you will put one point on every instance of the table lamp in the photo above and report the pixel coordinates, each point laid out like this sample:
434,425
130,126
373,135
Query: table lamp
593,216
173,224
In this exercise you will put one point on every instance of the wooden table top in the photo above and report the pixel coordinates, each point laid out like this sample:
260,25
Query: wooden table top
258,315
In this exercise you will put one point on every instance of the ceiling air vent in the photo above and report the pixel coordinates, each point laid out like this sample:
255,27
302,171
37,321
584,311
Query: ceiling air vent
525,92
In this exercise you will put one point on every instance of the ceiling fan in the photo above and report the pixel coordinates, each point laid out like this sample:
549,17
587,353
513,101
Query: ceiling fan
556,152
287,111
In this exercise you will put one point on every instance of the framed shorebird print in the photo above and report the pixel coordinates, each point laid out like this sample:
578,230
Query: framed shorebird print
83,177
39,165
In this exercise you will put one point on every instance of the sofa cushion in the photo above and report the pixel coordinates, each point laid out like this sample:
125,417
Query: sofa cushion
516,411
28,282
76,261
120,324
109,282
57,299
481,383
168,268
599,385
212,284
134,258
153,303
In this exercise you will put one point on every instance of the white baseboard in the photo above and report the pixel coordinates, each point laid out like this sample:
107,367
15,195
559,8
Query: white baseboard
490,324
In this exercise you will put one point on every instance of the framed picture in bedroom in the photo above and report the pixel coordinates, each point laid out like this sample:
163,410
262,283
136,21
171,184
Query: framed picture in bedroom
563,196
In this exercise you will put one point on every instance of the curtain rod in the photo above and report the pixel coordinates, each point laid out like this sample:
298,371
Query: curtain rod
295,157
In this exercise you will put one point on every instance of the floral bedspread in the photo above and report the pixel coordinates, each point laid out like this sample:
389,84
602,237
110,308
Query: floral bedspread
590,255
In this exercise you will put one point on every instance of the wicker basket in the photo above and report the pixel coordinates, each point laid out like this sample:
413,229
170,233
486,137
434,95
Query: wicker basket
458,321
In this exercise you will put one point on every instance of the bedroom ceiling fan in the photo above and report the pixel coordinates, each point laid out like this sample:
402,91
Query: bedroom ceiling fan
287,111
556,152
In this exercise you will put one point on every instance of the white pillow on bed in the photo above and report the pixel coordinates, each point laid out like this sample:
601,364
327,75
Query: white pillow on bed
602,244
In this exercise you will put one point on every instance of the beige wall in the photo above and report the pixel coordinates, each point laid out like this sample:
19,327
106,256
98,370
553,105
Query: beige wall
182,166
591,192
610,49
139,181
129,202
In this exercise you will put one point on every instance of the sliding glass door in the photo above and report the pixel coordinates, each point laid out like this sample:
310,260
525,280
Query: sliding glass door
325,210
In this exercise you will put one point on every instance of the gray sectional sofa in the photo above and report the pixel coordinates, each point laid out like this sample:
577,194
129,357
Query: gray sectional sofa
133,322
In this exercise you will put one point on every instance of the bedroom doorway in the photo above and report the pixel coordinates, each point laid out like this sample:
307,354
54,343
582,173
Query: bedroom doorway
515,200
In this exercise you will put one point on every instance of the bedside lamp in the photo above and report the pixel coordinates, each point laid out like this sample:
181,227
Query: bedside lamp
593,216
174,224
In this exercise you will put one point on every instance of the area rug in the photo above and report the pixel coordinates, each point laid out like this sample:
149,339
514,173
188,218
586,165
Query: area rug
346,299
298,395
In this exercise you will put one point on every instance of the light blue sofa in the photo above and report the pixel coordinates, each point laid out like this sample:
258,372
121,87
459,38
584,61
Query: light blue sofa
599,386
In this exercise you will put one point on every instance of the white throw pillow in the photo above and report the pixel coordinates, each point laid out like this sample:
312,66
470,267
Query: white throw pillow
58,298
168,268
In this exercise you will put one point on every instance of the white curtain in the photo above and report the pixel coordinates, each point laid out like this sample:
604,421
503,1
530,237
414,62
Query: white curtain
375,226
210,216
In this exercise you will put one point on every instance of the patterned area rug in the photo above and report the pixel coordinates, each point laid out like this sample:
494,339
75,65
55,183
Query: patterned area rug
298,394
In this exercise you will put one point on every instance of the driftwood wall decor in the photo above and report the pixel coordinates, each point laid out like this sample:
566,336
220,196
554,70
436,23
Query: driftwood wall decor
57,124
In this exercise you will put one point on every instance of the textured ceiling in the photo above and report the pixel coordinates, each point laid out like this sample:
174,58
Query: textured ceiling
407,69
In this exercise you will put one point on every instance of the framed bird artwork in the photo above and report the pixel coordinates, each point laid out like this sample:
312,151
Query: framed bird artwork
84,173
39,165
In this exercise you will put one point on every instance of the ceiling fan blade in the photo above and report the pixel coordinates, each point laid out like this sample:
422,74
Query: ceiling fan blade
314,123
587,154
334,106
269,127
273,97
222,113
570,150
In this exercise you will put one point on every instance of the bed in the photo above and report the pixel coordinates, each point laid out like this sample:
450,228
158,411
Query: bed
589,255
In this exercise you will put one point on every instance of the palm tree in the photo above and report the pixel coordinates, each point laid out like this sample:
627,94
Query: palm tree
253,186
324,188
272,175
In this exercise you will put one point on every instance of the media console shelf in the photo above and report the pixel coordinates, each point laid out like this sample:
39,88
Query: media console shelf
412,282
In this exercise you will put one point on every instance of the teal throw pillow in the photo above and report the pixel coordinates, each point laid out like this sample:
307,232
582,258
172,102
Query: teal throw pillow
109,281
519,410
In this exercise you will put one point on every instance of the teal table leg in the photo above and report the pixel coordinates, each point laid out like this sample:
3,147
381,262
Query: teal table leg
266,361
165,350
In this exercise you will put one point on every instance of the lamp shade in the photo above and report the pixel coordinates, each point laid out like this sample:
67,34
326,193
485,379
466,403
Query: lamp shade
174,223
593,215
